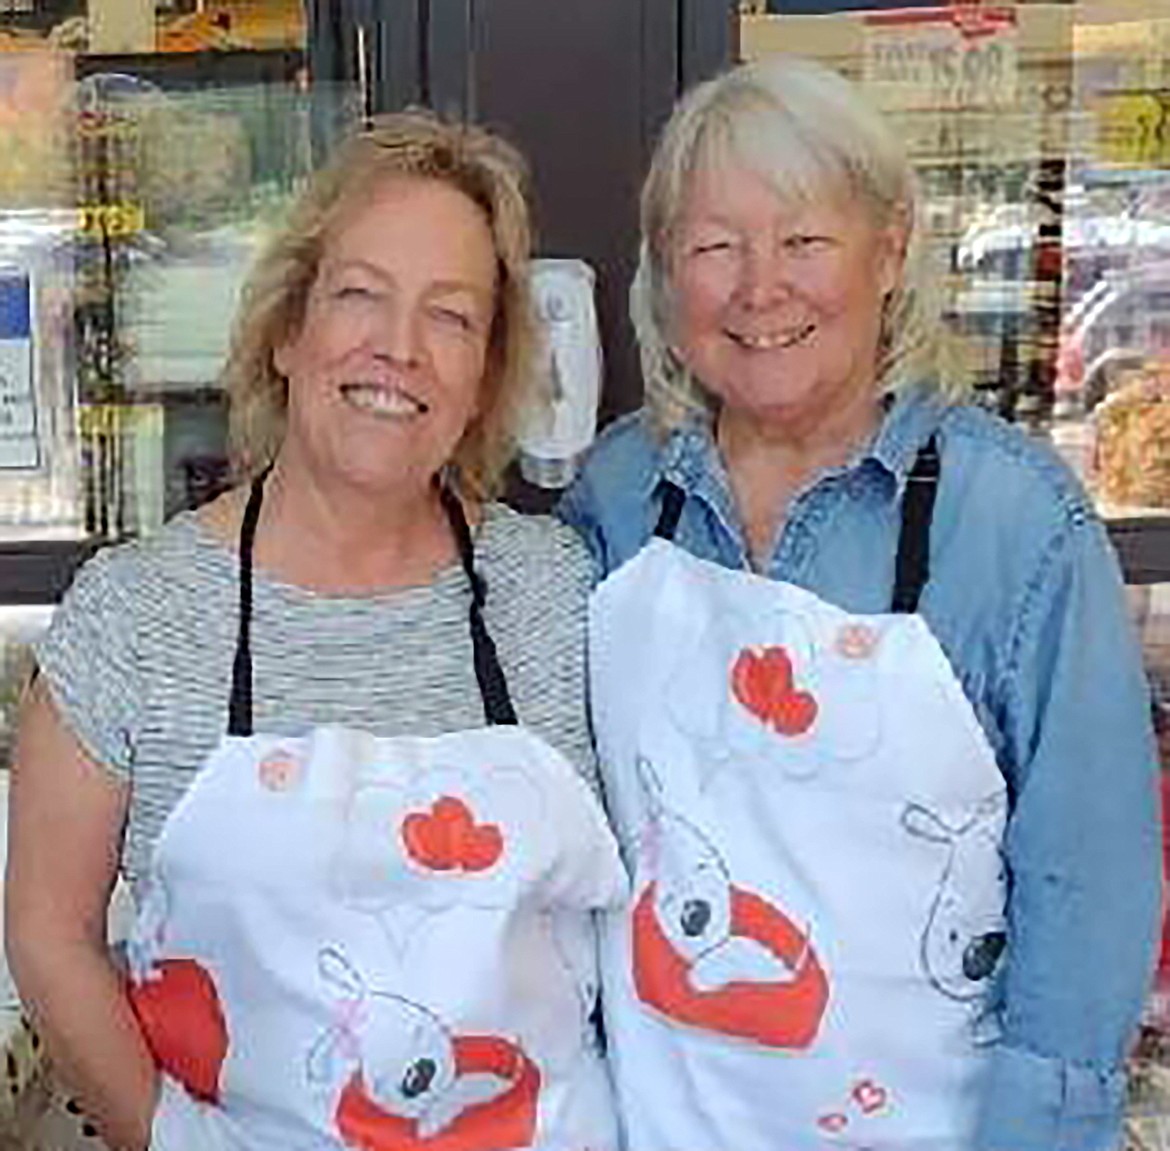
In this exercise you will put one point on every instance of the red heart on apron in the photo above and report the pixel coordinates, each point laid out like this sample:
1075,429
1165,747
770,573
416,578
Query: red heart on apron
869,1096
182,1022
447,838
761,680
833,1123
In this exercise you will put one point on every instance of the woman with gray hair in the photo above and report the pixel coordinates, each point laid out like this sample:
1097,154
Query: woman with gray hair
872,722
331,727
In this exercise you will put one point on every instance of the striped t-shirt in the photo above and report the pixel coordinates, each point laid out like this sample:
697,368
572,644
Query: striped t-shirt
138,657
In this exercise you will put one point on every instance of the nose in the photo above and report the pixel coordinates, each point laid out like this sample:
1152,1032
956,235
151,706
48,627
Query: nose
396,335
982,954
765,277
695,917
418,1078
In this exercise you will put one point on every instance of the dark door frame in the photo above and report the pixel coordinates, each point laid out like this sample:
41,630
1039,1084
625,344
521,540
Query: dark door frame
422,51
428,52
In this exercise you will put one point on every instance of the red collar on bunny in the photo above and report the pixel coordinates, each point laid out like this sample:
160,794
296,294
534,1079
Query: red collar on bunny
784,1014
507,1121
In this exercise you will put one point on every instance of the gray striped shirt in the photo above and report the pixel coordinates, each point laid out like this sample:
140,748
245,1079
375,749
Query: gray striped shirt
138,657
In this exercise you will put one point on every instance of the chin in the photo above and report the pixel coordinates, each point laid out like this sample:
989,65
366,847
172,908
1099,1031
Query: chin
380,476
772,403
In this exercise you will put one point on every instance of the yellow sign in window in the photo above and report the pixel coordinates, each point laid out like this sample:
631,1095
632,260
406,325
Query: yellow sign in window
114,220
1133,128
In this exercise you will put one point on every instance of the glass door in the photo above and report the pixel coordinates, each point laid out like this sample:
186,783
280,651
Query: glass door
150,145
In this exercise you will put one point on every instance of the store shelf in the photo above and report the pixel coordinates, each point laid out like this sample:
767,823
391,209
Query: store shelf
1143,544
197,70
38,572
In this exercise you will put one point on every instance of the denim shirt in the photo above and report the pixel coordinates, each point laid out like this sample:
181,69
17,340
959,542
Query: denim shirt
1026,599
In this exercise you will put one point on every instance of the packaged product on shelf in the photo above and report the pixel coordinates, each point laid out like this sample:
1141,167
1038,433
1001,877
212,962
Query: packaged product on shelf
1132,457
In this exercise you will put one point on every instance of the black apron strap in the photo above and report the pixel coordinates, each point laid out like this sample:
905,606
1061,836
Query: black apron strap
240,701
497,701
673,498
912,568
493,686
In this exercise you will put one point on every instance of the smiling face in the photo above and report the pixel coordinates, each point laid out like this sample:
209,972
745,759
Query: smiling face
777,305
386,371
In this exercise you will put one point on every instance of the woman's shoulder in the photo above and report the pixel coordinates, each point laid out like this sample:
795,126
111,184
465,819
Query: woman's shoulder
534,551
151,570
1004,473
610,502
624,459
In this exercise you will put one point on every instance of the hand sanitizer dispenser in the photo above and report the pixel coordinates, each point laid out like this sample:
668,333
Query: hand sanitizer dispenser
561,419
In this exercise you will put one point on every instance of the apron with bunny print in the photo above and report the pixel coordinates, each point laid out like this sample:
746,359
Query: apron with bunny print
383,944
813,818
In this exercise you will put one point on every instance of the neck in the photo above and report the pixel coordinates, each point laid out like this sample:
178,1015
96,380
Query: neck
770,461
336,537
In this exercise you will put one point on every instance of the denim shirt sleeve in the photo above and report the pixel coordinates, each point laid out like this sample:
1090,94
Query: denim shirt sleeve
1083,848
577,509
609,502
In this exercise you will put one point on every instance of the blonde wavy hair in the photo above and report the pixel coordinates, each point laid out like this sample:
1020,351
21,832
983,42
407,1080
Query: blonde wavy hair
808,132
414,143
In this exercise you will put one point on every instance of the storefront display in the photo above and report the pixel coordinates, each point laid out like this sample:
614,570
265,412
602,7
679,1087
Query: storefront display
138,181
1132,452
1036,130
38,471
134,192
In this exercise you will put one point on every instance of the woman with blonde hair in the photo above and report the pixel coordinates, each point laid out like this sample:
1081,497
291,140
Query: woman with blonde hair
870,714
293,721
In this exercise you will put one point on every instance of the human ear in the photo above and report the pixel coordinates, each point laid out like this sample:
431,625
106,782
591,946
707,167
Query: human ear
893,246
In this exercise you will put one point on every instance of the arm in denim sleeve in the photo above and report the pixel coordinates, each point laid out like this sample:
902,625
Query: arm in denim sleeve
610,504
578,508
1083,851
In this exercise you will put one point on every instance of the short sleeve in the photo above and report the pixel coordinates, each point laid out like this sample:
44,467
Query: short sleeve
89,659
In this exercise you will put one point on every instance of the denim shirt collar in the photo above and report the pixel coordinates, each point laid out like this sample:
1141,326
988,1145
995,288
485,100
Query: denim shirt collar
690,458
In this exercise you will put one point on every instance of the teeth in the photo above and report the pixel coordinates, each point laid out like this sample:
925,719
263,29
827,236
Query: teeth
383,401
780,340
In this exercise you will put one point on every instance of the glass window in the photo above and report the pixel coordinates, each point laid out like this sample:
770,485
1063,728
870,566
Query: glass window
149,147
1041,133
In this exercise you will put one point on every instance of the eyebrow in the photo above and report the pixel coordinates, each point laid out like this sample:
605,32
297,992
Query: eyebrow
380,273
707,220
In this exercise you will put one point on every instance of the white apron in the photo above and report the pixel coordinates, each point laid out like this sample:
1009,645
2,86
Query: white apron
382,944
813,818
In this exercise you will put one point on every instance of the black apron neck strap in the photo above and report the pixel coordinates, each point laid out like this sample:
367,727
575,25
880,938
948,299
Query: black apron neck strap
240,701
493,686
912,567
673,498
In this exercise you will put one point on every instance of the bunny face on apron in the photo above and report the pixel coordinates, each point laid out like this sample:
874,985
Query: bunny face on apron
385,944
813,818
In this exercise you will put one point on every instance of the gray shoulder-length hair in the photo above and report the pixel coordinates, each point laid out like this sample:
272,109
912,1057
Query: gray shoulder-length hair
809,132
